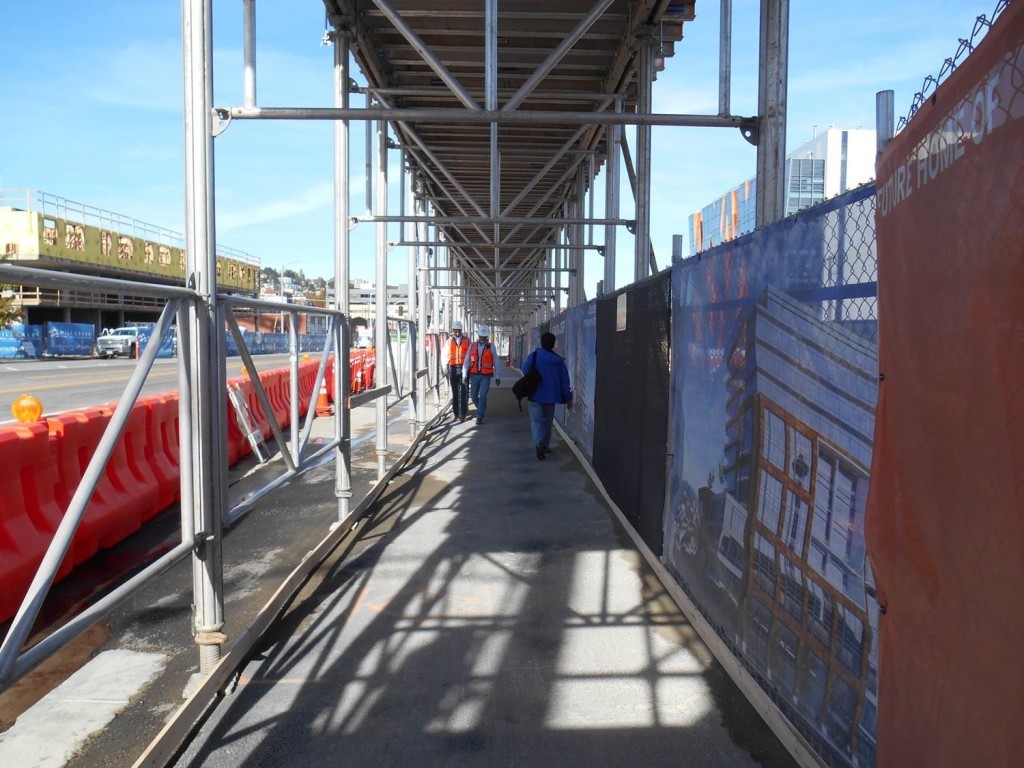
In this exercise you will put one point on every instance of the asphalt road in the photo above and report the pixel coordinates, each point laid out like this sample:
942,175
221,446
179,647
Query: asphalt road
66,384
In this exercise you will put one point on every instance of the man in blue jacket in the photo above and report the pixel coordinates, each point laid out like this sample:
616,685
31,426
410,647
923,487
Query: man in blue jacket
553,389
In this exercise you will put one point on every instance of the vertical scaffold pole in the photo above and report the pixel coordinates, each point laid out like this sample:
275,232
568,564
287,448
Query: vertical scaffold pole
771,112
342,415
645,85
420,356
207,407
613,153
885,119
382,336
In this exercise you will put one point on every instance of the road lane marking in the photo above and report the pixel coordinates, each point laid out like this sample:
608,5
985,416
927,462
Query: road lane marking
65,383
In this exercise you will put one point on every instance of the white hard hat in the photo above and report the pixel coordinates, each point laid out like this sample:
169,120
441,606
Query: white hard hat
483,330
457,325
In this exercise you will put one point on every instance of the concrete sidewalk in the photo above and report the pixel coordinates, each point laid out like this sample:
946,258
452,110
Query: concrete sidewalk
493,615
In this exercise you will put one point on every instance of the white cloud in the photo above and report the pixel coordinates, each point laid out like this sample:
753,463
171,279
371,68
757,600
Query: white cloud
282,79
313,197
876,72
141,74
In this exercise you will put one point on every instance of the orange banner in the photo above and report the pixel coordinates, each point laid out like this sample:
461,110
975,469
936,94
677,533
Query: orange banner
945,520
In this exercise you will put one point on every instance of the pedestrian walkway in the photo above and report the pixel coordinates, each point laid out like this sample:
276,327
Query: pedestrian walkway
496,615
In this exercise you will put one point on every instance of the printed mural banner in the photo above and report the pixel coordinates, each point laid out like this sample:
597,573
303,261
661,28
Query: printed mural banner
774,381
946,512
557,327
70,339
581,355
21,341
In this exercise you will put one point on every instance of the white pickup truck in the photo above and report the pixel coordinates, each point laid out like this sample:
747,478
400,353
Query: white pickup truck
120,341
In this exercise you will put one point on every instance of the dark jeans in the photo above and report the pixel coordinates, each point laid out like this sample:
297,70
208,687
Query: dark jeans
541,416
460,392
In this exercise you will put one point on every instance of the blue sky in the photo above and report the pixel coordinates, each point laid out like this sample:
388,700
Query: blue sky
90,95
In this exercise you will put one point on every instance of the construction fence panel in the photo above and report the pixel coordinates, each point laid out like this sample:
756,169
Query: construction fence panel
946,510
580,350
774,382
631,401
21,342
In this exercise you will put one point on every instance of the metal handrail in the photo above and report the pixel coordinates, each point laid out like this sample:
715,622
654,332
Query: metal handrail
13,662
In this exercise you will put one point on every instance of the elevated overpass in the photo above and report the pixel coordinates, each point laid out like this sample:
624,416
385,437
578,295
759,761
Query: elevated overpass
45,231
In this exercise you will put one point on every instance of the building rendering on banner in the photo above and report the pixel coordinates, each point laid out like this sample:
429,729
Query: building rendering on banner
795,565
834,161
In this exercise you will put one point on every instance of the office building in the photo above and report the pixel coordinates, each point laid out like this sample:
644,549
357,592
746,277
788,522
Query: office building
834,161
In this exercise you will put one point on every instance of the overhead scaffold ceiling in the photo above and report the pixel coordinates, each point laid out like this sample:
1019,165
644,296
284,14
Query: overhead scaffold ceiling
505,111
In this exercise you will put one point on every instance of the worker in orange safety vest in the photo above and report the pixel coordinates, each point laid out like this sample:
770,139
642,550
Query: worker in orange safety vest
481,365
458,347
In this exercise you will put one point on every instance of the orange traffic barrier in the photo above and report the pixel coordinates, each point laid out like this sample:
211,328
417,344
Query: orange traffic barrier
256,409
329,375
238,446
136,470
369,369
280,395
21,544
161,448
110,514
307,378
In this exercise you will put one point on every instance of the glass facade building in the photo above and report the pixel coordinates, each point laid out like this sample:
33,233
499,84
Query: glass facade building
832,162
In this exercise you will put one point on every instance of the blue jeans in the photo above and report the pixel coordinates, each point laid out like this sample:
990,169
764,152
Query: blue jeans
479,386
541,416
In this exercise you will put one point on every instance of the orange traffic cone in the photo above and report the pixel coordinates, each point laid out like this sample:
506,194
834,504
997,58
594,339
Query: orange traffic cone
323,405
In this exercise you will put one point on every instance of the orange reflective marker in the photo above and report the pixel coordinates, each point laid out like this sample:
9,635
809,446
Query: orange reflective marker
27,408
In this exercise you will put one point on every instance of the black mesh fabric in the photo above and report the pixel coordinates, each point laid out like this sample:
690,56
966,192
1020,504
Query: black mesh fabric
631,402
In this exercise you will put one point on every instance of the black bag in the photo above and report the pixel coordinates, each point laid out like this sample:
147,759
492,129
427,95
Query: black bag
527,384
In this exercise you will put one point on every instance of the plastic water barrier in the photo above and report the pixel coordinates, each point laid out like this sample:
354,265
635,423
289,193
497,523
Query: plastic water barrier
45,461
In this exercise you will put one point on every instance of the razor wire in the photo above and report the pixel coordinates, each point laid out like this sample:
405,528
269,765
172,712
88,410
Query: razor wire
982,24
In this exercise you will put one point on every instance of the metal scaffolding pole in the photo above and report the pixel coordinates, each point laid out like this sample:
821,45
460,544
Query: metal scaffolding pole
885,119
342,385
613,154
381,322
645,83
579,262
420,356
538,246
249,52
526,220
414,332
771,109
491,104
454,115
725,58
207,407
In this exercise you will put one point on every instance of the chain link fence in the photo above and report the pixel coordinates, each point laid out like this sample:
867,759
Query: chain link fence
982,24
